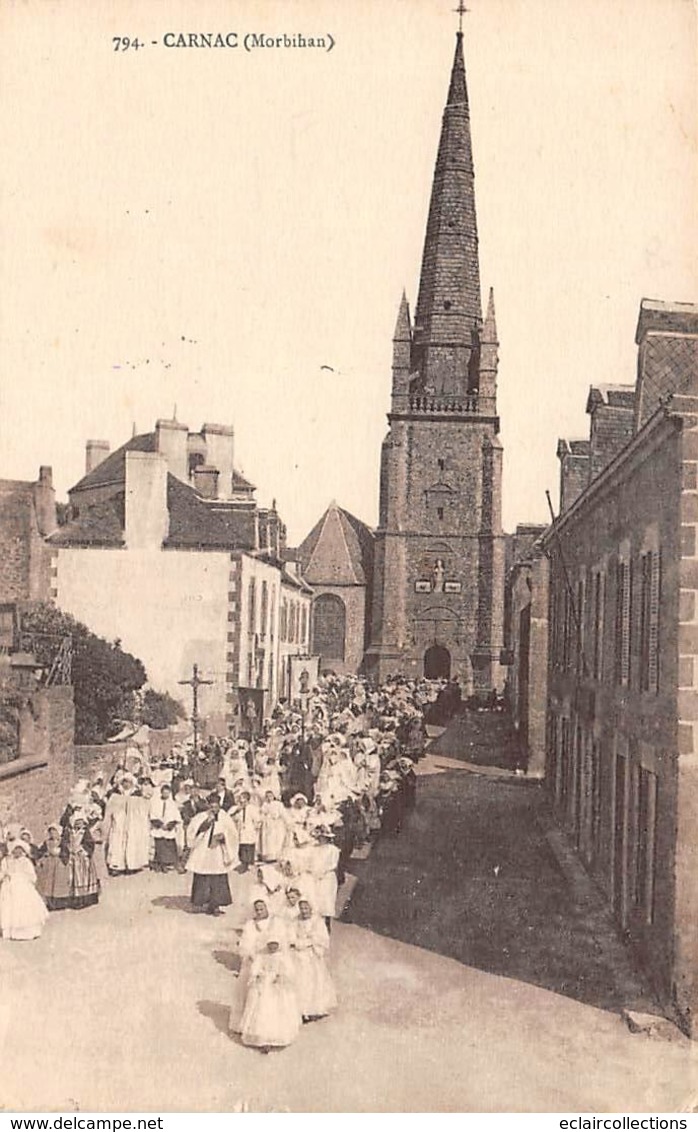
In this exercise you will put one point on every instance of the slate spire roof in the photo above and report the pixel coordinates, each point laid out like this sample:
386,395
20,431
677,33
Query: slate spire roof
338,551
449,304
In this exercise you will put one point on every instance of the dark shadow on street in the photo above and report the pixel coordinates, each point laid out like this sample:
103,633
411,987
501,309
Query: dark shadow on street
227,959
176,904
471,876
482,737
218,1013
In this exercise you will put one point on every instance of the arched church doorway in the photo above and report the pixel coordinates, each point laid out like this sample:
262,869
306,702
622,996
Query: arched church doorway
437,663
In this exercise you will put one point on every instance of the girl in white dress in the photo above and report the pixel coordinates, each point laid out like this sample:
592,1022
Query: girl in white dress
324,867
310,947
273,829
252,941
271,1019
22,911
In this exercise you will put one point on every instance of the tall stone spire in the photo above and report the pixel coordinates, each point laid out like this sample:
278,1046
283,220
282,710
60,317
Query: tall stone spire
449,313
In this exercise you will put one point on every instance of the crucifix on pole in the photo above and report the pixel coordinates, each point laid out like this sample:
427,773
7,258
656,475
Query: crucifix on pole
195,683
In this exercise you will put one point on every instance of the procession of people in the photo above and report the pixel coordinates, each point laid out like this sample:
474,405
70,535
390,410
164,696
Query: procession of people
267,824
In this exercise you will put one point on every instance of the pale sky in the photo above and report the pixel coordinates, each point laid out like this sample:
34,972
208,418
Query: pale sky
242,219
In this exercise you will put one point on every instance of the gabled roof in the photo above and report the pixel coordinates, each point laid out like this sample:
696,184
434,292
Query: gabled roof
113,469
194,524
338,551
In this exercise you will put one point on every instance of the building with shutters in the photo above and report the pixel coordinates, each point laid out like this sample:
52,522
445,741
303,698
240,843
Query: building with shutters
620,579
438,585
167,549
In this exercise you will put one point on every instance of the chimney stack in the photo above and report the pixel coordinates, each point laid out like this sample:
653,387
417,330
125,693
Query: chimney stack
206,481
95,452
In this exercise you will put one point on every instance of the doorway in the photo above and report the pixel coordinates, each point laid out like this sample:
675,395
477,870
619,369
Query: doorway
437,663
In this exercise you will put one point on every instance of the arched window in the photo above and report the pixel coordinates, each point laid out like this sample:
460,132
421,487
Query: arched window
329,623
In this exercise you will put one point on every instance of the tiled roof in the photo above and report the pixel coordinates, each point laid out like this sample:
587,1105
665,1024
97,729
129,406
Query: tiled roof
194,524
112,470
338,550
101,524
210,525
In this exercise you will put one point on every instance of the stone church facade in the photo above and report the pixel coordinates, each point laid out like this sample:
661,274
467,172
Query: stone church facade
439,553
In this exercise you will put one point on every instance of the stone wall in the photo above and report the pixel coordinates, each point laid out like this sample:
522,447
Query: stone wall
622,746
34,788
354,600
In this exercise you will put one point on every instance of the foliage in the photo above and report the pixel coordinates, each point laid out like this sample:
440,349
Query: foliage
105,678
160,710
11,701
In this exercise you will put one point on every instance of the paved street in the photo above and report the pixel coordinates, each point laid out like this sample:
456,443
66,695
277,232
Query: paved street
469,980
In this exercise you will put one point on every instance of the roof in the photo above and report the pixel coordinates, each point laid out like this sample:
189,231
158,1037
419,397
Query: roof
615,396
240,483
667,317
573,447
338,551
206,525
193,522
113,469
101,524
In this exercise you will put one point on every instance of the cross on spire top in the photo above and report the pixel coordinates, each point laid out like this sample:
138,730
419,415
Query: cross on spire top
460,12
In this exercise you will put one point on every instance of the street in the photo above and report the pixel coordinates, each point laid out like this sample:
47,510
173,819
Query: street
468,980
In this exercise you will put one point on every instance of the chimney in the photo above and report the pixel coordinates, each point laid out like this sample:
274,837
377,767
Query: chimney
45,502
206,481
574,457
611,409
95,452
147,519
219,440
171,442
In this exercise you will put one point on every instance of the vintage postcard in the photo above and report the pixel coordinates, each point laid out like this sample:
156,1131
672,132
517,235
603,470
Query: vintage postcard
348,568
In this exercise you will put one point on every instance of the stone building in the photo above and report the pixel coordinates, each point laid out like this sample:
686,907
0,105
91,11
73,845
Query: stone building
439,551
167,549
622,727
27,516
527,644
337,561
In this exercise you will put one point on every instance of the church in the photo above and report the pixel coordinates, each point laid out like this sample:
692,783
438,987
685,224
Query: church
438,581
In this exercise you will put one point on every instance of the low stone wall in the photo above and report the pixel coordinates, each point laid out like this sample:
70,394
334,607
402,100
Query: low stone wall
97,758
34,788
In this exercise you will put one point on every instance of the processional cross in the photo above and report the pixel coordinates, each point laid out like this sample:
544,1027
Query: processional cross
195,683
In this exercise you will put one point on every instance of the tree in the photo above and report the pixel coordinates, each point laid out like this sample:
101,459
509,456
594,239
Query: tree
160,710
11,702
105,678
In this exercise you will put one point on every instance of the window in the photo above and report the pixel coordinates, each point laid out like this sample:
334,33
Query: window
252,623
283,626
649,621
440,512
581,666
598,613
567,627
264,609
622,626
643,887
304,629
442,465
329,627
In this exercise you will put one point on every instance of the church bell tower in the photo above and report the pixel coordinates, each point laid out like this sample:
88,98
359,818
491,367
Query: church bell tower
439,569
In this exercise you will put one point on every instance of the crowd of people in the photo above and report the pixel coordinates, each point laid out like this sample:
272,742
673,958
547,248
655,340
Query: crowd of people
283,810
